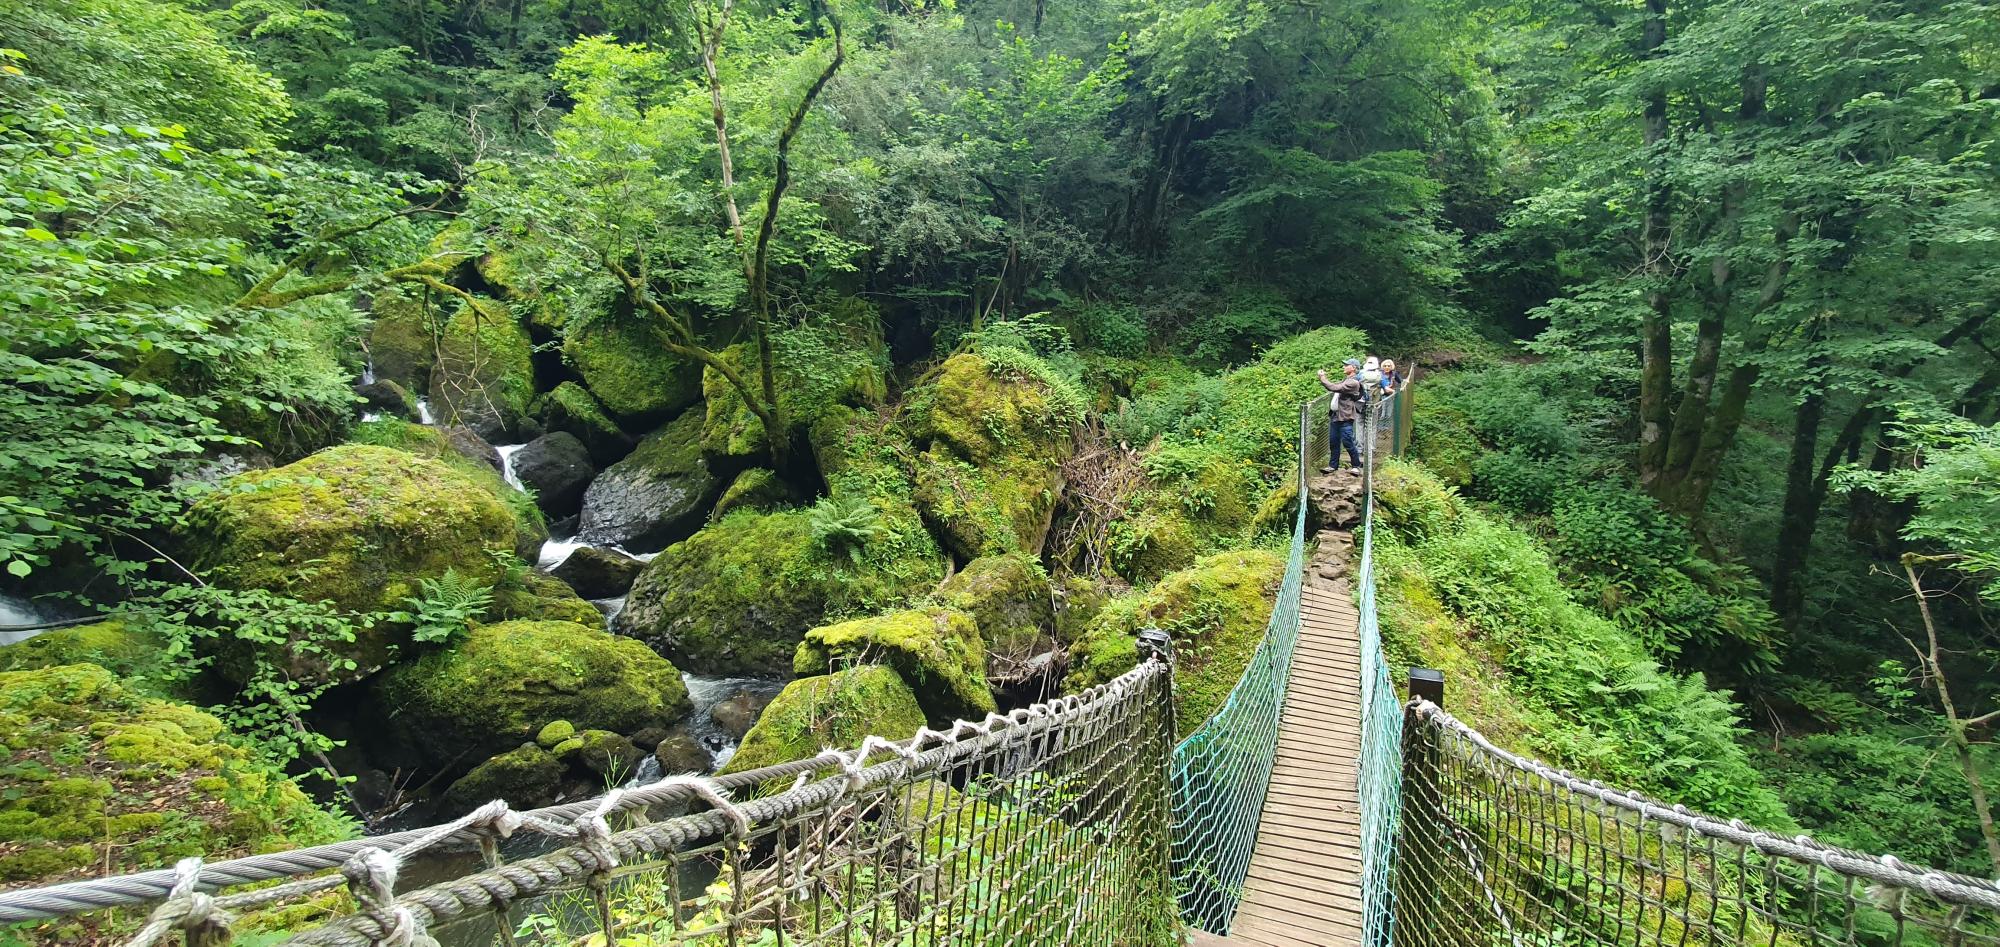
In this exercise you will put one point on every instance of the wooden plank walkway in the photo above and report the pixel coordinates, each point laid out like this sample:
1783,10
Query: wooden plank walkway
1304,888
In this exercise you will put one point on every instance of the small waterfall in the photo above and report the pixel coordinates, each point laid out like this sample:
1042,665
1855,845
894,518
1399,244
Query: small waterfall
20,611
424,415
610,607
368,372
367,416
648,772
507,452
705,693
555,551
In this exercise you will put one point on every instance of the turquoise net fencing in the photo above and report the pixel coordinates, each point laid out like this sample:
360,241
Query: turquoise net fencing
1380,784
1222,769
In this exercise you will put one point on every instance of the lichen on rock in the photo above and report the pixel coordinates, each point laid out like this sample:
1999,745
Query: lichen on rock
505,682
992,445
357,526
831,710
936,650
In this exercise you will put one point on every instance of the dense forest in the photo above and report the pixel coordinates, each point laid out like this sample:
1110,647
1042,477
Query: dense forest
407,404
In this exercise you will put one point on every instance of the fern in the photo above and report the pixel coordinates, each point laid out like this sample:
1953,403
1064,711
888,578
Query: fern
845,525
448,606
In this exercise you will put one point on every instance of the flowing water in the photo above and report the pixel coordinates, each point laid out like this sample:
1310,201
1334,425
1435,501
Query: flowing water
424,415
20,611
507,452
706,692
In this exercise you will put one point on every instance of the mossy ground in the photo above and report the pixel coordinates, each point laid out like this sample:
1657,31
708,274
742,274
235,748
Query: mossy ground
499,687
104,780
113,645
937,651
1216,612
831,710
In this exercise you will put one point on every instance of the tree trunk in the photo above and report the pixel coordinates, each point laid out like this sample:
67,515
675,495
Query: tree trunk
1799,520
1655,329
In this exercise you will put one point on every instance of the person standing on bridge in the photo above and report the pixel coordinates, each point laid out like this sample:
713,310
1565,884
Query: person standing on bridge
1391,378
1341,415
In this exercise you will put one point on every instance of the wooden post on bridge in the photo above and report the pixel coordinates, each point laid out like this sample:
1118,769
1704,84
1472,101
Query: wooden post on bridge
1420,905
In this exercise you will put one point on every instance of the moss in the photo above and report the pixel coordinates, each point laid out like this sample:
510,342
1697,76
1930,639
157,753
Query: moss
626,364
1442,438
485,372
89,761
505,681
530,526
357,526
537,596
832,710
401,343
846,376
755,489
1009,598
1216,612
739,594
1277,512
555,732
993,444
526,776
570,407
112,645
607,754
1415,505
1155,537
936,650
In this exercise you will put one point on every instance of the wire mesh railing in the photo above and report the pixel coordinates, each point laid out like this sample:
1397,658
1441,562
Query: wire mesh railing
1379,783
1502,850
1044,826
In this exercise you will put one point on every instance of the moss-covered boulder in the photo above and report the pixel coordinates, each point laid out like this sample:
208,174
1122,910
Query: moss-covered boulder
569,407
936,650
625,363
504,682
754,489
527,776
832,710
993,442
464,452
357,526
1010,599
609,755
1155,537
535,596
843,373
1216,612
737,596
113,645
103,780
485,372
402,344
658,494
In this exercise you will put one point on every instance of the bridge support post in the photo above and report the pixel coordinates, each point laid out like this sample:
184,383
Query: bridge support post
1421,917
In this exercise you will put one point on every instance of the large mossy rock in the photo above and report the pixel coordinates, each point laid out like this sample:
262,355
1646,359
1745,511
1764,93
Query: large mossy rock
485,372
755,489
570,407
626,365
936,650
528,777
103,780
737,596
357,526
993,443
833,710
499,687
527,595
402,344
467,453
844,375
113,645
1010,599
1216,612
658,494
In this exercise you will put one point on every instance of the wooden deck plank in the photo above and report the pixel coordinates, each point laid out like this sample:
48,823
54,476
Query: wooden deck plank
1303,886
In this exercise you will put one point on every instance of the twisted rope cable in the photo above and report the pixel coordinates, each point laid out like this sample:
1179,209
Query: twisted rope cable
499,887
1947,887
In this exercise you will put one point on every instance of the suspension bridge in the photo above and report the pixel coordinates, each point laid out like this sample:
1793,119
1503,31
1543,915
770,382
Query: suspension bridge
1318,807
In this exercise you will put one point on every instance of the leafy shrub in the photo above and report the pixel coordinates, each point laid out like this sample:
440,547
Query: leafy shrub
1245,324
1521,481
1111,329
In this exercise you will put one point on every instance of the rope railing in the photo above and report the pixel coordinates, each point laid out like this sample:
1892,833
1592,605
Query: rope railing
1046,825
1507,850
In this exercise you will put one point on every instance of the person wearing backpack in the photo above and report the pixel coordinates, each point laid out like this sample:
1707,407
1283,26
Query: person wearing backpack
1343,413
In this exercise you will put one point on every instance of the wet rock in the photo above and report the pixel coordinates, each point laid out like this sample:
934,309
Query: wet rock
528,777
680,751
655,496
737,714
557,467
467,443
385,397
596,572
648,738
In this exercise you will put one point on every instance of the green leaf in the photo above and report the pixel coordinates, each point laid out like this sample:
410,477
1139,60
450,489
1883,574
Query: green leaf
37,233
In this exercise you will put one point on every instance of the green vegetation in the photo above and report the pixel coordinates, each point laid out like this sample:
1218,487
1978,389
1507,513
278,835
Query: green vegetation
837,710
998,315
